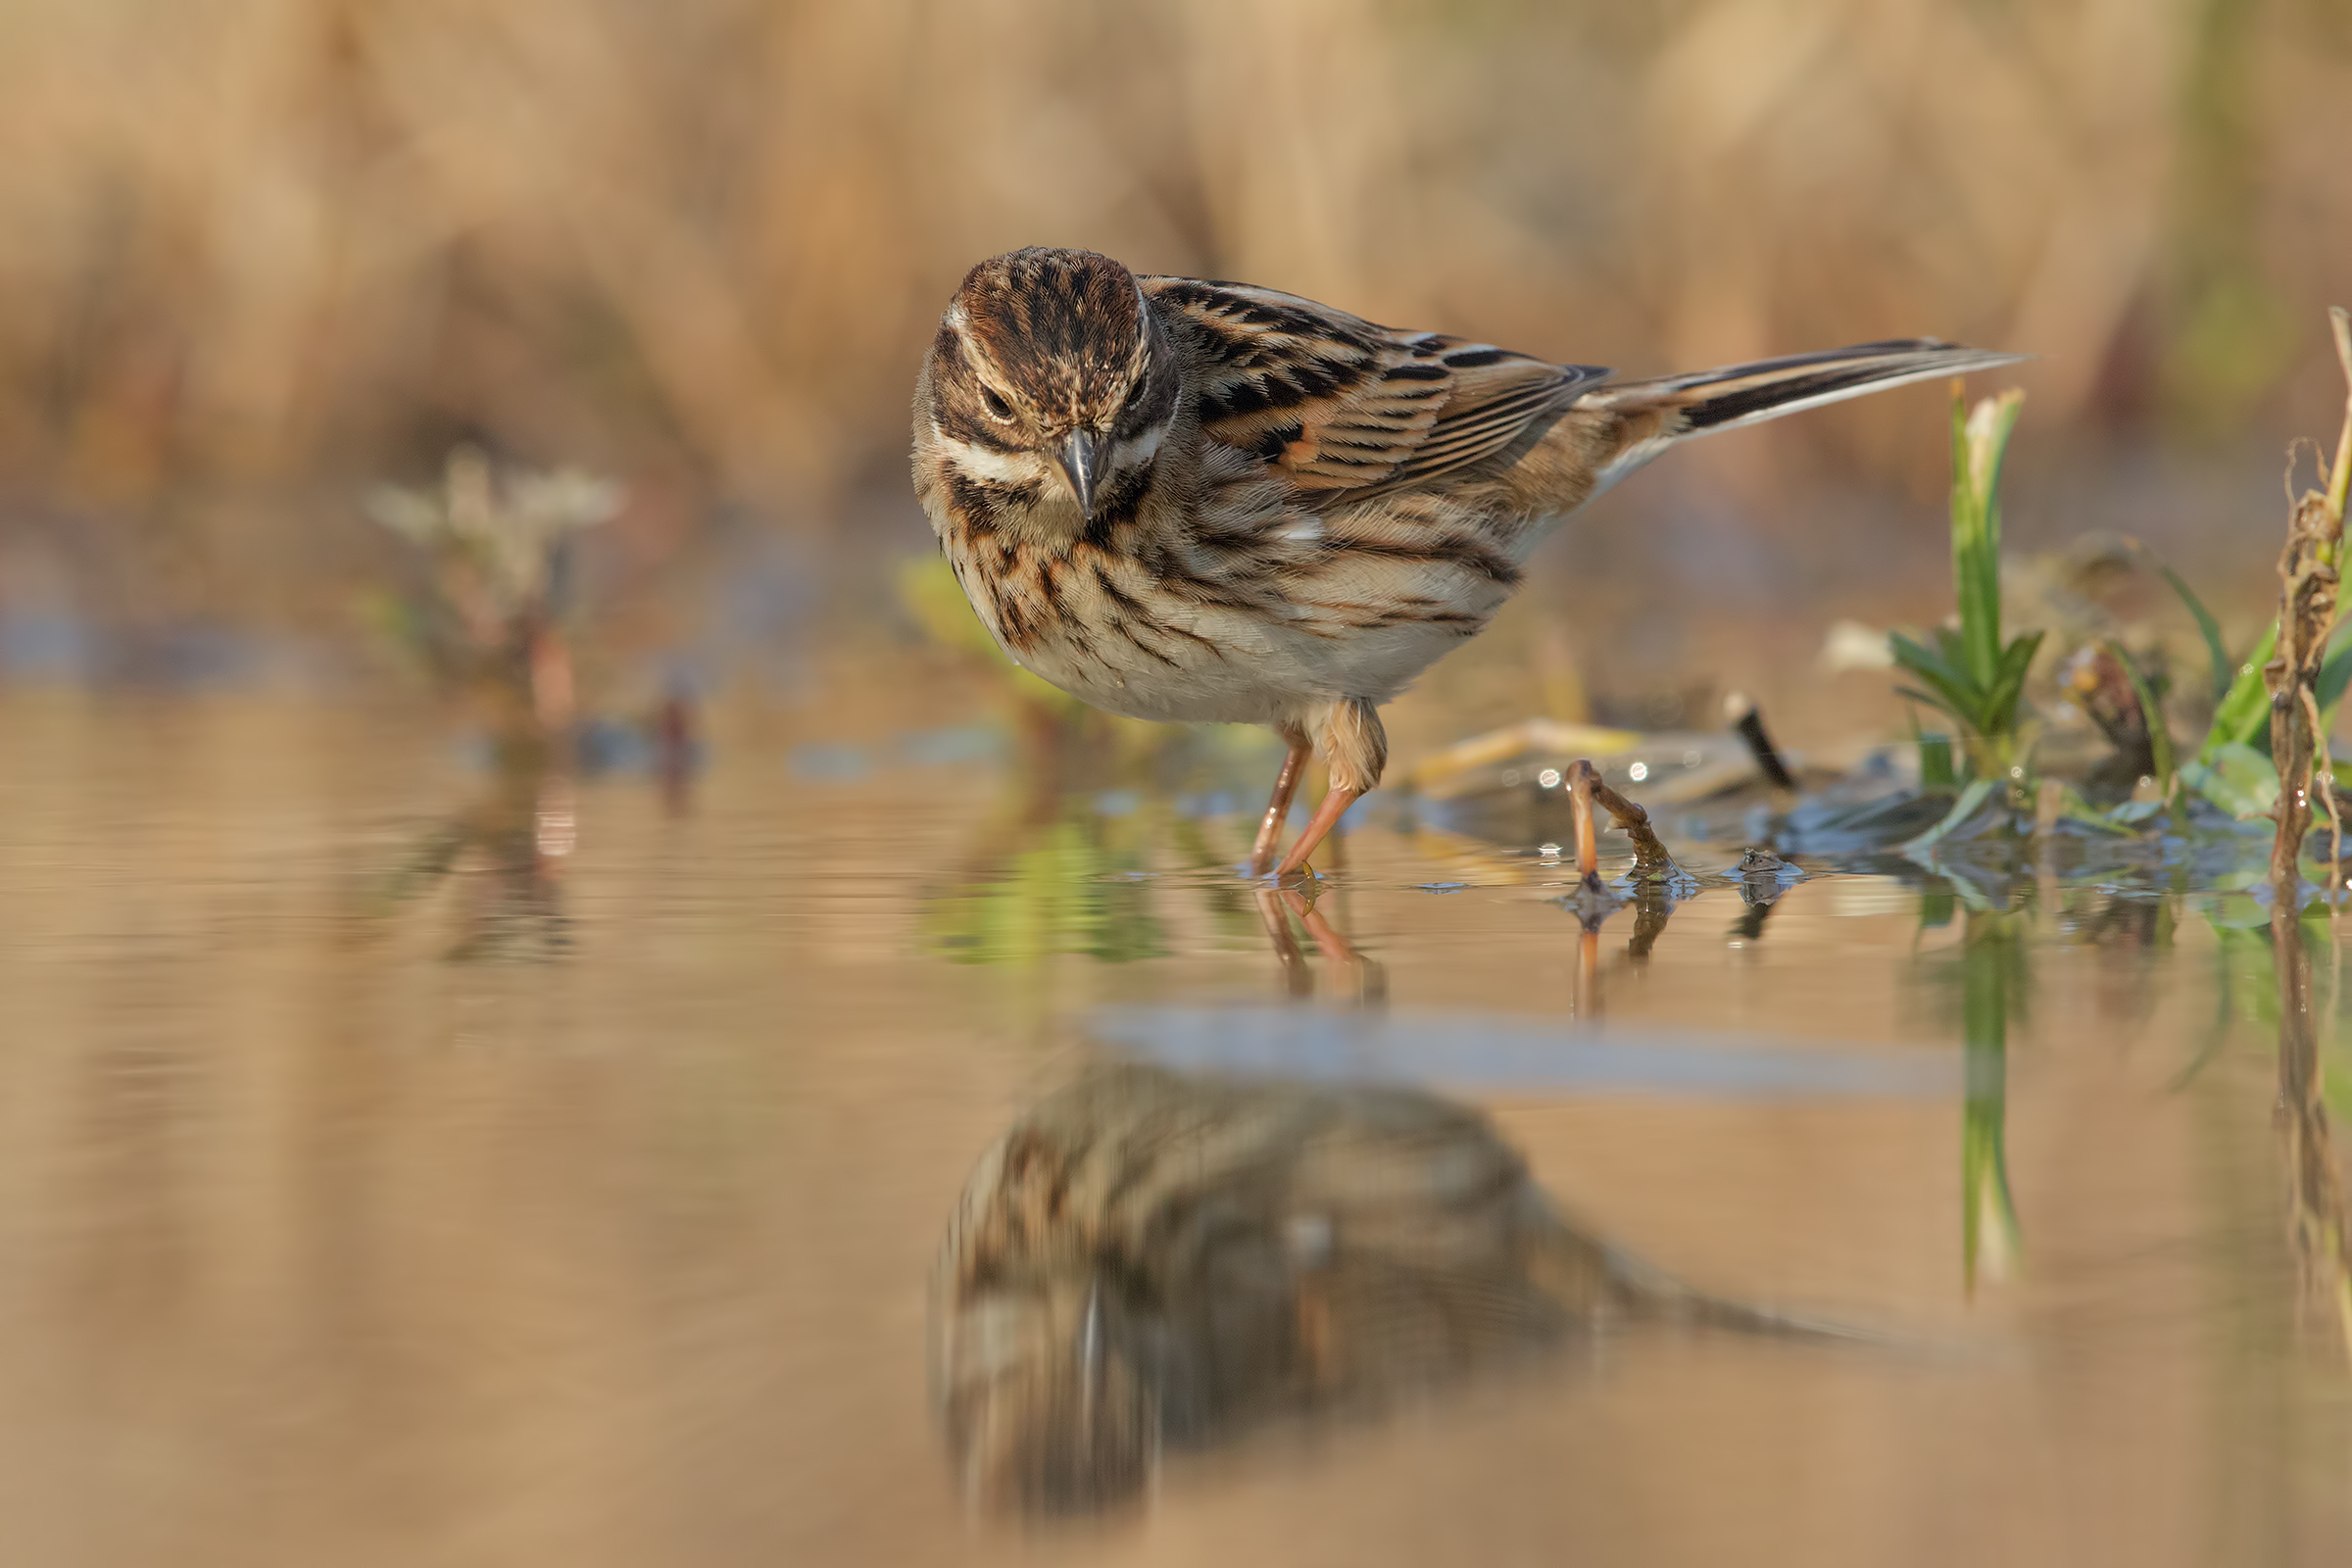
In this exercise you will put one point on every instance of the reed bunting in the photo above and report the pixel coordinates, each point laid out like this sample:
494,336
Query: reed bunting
1200,501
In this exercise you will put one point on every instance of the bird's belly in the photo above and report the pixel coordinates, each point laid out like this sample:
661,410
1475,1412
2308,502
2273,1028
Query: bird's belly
1197,688
1257,675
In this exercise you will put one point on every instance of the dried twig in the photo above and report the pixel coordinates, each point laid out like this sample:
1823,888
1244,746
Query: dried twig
2309,578
2310,575
1652,862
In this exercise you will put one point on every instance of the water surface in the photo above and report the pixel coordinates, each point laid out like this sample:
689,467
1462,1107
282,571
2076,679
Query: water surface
402,1165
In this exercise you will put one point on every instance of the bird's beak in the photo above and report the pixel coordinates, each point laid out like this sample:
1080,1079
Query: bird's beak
1083,458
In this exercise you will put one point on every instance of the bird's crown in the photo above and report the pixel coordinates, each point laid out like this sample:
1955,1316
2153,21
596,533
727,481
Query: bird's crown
1065,332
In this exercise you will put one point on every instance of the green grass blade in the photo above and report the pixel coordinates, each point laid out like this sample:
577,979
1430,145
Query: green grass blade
1971,801
1936,771
1953,647
2334,675
1980,441
2160,739
1956,694
2244,711
2009,682
1931,700
2207,627
1929,662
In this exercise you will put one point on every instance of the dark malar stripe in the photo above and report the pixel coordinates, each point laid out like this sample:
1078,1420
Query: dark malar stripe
970,505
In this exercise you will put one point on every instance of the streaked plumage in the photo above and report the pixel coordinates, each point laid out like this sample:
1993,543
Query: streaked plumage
1201,501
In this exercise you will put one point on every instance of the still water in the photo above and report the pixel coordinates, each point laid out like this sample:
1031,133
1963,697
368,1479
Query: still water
860,1160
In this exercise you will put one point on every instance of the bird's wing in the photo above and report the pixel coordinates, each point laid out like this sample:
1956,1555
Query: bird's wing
1335,403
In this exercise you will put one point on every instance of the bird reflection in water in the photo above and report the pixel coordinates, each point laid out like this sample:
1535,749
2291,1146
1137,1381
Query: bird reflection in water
1148,1262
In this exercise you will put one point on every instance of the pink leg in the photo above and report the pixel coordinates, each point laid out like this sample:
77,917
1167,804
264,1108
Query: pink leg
1336,802
1278,808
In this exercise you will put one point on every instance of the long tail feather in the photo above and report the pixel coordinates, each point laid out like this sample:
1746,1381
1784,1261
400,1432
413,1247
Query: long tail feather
1702,402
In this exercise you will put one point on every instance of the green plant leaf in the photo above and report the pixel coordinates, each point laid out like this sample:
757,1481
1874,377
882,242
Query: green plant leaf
1933,701
2160,739
1955,693
2072,808
2335,673
2244,713
2238,779
2210,630
1936,771
1954,649
1971,800
1941,664
1980,441
2009,681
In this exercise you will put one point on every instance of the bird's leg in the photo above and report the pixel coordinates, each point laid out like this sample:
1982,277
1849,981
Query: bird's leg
1359,750
1336,802
1278,807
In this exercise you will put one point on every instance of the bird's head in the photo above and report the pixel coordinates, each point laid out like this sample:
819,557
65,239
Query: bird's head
1051,374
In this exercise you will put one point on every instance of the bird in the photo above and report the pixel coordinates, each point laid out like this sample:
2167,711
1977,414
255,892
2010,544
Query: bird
1196,500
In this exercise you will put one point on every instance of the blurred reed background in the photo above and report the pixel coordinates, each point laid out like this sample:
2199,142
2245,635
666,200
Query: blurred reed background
256,253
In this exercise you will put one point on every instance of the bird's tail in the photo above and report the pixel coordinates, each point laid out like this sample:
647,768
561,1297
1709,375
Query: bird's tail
1668,409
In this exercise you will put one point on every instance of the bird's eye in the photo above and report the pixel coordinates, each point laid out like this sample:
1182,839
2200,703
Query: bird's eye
997,408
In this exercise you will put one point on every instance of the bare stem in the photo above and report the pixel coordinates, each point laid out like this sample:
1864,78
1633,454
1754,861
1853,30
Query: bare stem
1582,778
1652,862
2309,577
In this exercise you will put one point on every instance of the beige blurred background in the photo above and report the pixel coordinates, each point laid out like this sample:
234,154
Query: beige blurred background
254,252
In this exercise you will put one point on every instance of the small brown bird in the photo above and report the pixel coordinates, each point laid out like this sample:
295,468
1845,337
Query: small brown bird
1212,502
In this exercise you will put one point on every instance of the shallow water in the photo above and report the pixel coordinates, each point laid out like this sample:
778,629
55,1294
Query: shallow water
397,1166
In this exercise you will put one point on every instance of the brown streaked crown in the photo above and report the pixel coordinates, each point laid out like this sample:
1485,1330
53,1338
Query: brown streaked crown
1061,339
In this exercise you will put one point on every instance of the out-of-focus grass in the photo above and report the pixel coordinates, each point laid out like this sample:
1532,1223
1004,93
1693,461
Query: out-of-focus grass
255,238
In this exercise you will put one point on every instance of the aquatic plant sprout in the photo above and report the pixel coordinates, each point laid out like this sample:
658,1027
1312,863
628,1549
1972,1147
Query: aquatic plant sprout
1970,672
